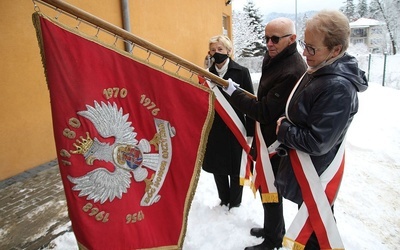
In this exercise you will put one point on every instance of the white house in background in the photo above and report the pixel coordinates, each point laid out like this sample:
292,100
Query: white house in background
370,32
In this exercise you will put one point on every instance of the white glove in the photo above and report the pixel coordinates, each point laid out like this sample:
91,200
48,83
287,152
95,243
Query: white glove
231,87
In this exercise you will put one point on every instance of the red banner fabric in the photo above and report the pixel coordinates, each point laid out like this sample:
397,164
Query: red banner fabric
129,140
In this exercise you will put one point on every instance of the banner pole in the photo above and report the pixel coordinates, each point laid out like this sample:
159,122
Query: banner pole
136,40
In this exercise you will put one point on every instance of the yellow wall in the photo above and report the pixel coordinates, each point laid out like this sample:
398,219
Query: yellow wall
26,135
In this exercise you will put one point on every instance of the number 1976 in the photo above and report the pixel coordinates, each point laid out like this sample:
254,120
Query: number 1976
145,101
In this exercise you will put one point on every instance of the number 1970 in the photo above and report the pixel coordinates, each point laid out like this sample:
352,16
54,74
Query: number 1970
115,92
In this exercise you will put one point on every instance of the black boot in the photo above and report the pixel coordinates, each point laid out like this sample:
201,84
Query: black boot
233,205
224,203
257,231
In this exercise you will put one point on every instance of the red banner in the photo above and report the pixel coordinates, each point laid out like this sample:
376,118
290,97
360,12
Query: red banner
129,139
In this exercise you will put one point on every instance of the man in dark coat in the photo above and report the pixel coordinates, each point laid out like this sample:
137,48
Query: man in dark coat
224,153
282,67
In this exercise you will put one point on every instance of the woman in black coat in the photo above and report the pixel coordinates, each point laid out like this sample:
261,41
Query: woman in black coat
317,116
223,153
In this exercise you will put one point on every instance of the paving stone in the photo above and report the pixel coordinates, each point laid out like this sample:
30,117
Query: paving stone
33,208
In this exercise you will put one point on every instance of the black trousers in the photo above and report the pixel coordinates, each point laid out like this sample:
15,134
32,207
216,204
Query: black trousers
274,223
229,189
312,243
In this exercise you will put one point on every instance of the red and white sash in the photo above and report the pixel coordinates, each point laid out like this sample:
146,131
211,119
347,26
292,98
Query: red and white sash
319,193
231,119
263,176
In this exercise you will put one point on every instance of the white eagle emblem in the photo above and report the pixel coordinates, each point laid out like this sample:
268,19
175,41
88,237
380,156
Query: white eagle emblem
126,154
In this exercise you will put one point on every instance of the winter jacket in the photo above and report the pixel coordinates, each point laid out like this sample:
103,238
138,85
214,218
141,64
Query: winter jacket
279,75
223,153
321,111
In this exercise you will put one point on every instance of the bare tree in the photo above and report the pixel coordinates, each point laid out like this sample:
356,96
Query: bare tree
242,35
389,12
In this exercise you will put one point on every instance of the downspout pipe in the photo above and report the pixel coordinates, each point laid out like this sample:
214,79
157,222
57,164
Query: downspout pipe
126,24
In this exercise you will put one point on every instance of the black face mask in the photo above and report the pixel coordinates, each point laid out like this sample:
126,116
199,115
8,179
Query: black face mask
219,58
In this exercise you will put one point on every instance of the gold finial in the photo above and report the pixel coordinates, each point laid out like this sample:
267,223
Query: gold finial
83,145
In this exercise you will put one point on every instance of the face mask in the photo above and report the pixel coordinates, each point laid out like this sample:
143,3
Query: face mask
219,58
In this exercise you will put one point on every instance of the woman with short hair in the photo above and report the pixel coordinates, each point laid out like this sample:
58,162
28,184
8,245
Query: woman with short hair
318,114
224,153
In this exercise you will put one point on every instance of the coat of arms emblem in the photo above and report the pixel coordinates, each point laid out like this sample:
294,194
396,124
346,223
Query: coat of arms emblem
128,156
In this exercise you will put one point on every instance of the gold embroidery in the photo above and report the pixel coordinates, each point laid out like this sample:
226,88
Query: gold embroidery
135,217
83,145
94,211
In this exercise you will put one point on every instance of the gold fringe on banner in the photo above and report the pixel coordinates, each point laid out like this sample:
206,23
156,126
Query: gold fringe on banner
152,51
135,41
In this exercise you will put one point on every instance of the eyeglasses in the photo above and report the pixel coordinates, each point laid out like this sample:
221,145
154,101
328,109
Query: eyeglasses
310,50
275,39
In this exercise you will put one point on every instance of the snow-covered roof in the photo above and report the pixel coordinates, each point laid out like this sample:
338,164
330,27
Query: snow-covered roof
365,22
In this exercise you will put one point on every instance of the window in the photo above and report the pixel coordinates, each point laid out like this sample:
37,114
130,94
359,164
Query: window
376,30
357,40
359,32
225,25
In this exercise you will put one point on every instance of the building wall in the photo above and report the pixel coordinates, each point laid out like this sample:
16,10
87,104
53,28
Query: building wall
26,135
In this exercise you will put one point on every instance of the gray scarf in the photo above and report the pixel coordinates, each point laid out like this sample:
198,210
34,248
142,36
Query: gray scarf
311,70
